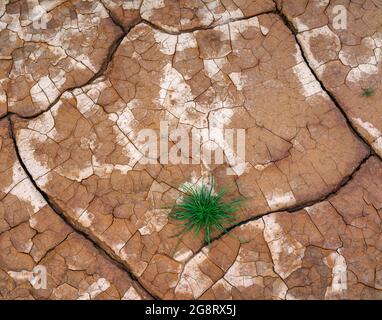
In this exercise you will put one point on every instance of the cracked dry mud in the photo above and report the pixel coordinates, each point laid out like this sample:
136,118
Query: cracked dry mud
75,197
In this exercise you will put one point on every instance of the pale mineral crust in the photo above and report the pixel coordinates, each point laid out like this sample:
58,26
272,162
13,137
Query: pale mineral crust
49,47
85,151
331,250
33,235
342,41
83,196
183,15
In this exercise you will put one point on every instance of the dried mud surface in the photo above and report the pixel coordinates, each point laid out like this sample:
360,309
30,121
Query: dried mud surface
76,197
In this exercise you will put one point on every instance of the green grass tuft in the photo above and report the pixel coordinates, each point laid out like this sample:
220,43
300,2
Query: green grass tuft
200,209
368,92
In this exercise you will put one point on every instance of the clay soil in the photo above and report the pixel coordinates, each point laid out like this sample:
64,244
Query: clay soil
80,79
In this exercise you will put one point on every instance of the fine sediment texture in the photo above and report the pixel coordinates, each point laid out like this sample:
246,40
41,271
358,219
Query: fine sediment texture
76,197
